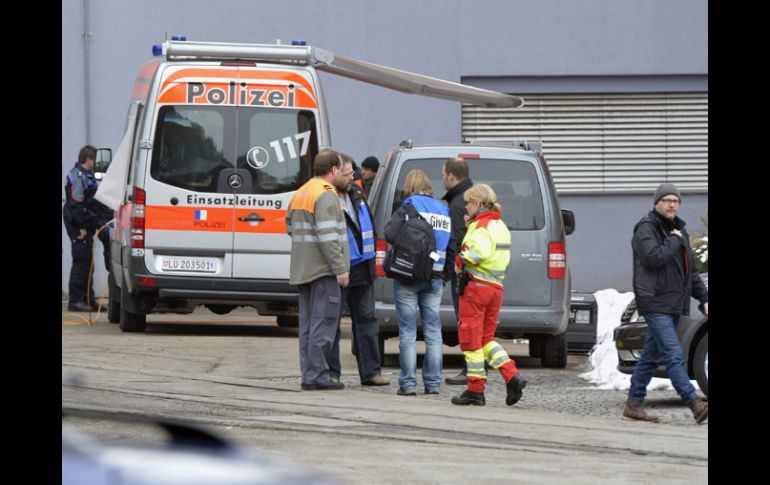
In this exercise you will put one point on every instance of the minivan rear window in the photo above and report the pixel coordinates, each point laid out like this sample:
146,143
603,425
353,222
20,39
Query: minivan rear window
274,147
515,183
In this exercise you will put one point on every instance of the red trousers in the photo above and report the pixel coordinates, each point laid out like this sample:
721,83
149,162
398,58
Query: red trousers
479,308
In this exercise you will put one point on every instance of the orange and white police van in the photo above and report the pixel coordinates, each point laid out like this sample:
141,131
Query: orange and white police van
218,138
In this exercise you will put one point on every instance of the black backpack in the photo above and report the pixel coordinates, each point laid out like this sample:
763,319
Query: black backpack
409,258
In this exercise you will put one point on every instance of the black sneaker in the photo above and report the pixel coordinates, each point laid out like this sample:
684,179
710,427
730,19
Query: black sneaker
406,392
468,397
514,388
460,379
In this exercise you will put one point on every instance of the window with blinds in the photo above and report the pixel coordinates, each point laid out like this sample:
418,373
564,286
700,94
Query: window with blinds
607,143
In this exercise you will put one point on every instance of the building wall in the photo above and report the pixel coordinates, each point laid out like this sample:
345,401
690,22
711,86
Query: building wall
448,39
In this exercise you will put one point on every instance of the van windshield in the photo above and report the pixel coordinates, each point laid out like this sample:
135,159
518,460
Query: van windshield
515,183
272,148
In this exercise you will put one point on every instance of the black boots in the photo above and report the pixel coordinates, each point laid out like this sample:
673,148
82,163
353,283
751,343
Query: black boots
459,380
514,388
468,397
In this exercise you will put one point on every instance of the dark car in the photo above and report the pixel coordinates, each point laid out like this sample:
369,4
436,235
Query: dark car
693,331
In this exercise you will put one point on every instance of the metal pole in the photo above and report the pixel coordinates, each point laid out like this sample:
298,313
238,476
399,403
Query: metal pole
87,71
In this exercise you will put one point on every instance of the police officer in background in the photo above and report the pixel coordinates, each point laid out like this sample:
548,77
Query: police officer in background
80,220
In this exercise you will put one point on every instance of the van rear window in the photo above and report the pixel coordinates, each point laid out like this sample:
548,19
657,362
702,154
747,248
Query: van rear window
515,183
272,148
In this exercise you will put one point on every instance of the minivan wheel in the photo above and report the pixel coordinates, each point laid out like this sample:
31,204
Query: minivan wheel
554,351
450,338
701,364
287,321
535,346
221,309
113,300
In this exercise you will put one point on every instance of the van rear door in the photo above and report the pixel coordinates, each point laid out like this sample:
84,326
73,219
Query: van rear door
231,146
517,186
277,142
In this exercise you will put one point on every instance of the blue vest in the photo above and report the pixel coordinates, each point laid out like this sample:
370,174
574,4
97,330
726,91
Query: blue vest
367,238
437,215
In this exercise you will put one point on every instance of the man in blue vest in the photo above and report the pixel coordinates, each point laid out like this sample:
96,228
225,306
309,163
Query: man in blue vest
359,294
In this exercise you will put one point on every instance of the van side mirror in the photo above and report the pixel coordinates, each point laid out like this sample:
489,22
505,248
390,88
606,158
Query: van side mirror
569,221
103,160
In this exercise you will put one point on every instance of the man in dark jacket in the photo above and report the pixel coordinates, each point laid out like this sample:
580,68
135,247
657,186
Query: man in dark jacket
359,293
664,279
455,175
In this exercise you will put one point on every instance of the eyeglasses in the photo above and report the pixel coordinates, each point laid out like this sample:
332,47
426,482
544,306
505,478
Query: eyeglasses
349,174
670,201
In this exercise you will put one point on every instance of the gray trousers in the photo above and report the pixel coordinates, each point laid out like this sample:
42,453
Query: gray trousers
319,319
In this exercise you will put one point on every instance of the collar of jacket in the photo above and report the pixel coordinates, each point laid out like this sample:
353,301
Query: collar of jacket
666,223
461,187
483,218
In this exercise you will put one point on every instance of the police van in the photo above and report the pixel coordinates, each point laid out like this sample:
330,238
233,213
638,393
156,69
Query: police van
218,138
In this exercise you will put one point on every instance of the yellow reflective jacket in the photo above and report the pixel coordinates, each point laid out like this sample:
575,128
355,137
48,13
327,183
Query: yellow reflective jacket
486,248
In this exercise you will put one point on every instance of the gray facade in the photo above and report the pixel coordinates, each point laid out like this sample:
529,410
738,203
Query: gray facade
516,46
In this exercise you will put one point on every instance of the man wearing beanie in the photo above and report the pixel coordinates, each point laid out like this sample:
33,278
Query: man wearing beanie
369,168
664,279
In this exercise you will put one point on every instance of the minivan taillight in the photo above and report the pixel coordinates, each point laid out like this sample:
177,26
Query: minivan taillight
137,218
557,260
380,248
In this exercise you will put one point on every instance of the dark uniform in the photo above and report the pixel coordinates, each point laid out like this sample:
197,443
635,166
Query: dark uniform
79,213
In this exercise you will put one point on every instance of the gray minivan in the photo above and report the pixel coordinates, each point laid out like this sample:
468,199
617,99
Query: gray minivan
536,302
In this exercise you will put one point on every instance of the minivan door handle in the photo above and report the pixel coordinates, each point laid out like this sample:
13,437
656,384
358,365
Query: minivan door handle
253,217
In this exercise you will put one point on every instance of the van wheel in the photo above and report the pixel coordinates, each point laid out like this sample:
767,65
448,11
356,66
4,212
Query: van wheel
132,322
113,300
287,321
554,351
221,309
701,364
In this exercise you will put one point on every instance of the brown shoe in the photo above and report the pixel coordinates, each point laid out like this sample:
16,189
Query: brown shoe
634,412
377,380
700,410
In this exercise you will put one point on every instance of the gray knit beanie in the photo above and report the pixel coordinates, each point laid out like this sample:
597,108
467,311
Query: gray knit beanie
666,189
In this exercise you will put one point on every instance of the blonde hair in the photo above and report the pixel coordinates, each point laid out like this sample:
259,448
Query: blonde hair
417,183
483,195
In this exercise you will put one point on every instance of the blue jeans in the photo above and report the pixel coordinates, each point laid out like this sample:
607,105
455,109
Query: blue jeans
661,347
427,297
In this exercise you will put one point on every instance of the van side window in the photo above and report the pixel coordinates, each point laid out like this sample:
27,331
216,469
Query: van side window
515,183
189,146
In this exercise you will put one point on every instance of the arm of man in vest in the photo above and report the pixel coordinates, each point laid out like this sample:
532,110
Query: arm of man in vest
332,233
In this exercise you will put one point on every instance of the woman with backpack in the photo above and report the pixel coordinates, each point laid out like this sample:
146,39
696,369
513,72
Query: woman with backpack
485,254
414,288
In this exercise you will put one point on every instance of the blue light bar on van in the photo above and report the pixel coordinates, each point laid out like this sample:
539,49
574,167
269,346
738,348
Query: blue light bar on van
179,37
157,50
298,42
